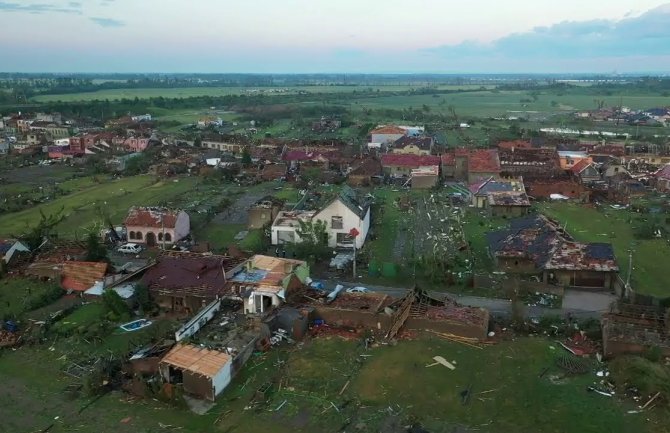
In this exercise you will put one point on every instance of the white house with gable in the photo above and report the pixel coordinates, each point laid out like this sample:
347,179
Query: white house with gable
345,212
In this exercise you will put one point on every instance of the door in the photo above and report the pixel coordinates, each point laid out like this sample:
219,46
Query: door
151,239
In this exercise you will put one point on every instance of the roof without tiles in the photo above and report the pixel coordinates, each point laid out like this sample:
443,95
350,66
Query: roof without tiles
423,143
508,198
197,360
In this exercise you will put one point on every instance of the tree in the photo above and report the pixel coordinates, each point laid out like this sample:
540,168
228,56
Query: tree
37,234
197,142
95,250
115,304
313,240
246,157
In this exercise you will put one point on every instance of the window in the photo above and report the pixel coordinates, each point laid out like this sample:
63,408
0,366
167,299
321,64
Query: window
336,222
131,235
138,236
168,237
160,236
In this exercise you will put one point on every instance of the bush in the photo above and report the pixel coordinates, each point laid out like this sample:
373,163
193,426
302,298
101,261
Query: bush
115,304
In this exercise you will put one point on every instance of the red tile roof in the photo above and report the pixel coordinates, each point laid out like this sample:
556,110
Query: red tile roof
151,217
486,161
580,166
410,161
80,276
388,129
608,150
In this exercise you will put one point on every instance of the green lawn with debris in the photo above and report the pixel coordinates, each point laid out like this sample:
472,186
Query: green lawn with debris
329,385
20,295
604,224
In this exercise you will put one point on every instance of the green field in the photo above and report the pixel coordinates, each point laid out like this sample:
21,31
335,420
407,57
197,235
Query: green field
391,387
20,295
616,226
187,92
82,208
506,103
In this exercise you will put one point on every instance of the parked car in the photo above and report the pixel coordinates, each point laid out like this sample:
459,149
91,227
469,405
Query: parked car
358,290
129,249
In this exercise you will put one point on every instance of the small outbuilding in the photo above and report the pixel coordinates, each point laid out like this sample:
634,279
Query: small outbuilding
202,372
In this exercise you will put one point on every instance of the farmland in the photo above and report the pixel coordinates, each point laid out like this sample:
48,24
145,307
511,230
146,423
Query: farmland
188,92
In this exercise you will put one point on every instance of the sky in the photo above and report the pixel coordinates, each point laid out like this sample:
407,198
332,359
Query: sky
343,36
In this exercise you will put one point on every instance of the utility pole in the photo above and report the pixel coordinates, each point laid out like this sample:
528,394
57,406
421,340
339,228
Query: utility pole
163,229
630,268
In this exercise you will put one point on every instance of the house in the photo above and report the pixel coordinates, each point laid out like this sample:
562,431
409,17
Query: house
514,145
345,212
185,282
365,173
483,164
585,171
508,203
413,145
141,118
202,372
153,225
662,179
349,210
471,165
233,145
386,135
264,282
536,245
402,164
263,212
326,125
81,276
8,248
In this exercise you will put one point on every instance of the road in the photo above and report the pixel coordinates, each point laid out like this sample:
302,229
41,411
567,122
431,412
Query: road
576,304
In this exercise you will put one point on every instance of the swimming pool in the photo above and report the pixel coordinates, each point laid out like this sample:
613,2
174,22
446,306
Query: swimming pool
135,325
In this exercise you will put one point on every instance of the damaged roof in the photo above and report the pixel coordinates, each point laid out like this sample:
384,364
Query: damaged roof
355,201
190,274
508,198
423,143
197,360
484,161
576,256
663,173
388,129
542,240
368,167
580,166
151,217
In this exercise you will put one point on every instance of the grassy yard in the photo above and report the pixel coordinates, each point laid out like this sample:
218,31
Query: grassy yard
81,208
476,225
507,394
616,226
20,295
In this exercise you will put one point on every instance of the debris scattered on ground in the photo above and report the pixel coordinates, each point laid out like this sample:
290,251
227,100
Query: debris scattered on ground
579,344
441,361
598,391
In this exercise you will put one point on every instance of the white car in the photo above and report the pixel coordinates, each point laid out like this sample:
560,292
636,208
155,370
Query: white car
129,249
357,290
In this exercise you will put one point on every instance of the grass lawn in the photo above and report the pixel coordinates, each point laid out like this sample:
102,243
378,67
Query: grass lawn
114,197
476,225
313,376
19,295
588,224
83,317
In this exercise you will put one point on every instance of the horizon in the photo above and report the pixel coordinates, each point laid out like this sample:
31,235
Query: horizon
299,37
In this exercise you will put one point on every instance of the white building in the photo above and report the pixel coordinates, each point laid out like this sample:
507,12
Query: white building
141,118
346,212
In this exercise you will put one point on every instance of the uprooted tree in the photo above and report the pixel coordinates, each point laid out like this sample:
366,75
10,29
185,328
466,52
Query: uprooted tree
35,235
